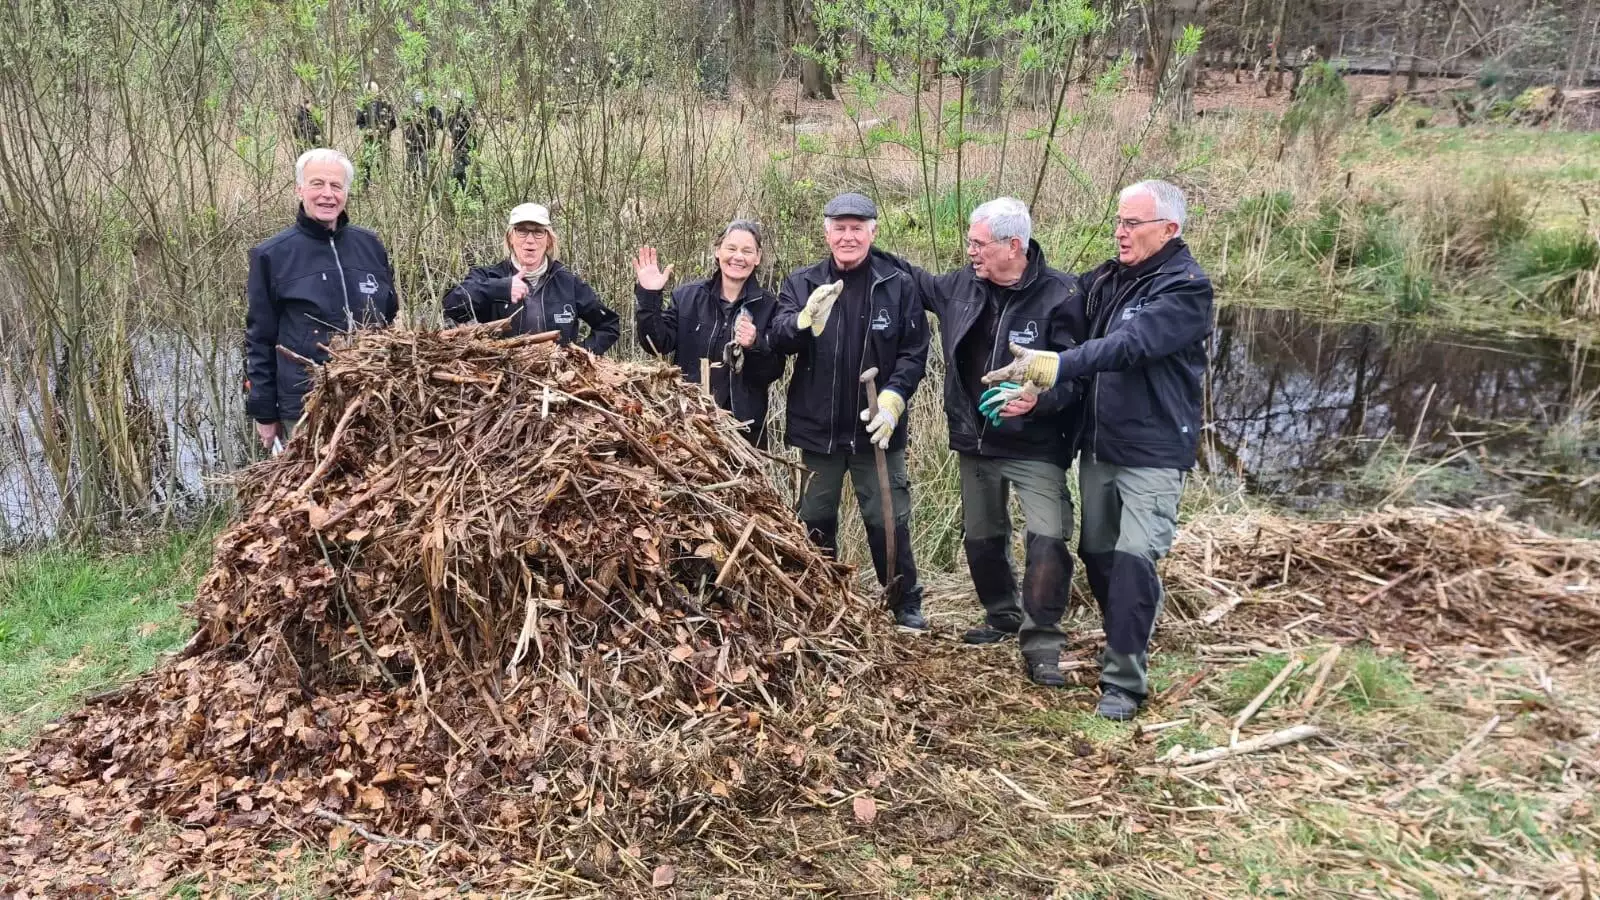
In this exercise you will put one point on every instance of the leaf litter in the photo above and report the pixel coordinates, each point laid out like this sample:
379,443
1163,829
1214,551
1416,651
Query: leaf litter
497,594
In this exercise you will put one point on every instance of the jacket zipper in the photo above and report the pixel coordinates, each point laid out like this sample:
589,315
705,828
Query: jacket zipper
994,347
1116,305
349,318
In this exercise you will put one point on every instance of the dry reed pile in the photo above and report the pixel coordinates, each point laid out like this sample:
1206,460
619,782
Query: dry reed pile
1418,577
497,595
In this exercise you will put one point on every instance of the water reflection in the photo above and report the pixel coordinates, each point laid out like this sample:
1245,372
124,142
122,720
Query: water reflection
1297,404
1300,409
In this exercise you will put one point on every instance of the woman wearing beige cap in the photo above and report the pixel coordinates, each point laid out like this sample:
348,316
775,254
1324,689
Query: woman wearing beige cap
533,288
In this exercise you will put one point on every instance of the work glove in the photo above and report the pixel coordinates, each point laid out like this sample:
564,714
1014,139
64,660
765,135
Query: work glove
1037,366
994,401
815,314
880,428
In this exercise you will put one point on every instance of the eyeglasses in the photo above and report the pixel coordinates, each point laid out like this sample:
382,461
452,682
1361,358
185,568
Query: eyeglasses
977,246
1131,224
525,231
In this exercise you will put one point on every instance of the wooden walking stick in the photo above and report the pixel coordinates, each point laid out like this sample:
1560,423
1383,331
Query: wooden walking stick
891,584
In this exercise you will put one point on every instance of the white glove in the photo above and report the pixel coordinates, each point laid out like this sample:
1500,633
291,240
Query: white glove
880,427
815,314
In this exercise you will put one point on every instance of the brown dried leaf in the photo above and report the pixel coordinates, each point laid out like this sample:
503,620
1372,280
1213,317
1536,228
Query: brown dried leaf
664,876
866,809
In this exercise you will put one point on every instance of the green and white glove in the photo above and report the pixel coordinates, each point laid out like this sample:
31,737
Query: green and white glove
815,314
880,428
994,401
1037,366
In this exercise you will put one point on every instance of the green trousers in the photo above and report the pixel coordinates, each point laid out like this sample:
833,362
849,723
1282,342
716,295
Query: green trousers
1130,517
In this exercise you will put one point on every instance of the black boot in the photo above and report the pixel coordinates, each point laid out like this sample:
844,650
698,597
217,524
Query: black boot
1043,667
996,586
906,599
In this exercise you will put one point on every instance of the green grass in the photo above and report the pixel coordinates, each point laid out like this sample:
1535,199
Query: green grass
1079,723
1375,682
75,621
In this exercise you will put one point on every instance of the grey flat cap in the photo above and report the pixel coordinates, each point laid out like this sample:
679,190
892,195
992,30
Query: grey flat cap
855,206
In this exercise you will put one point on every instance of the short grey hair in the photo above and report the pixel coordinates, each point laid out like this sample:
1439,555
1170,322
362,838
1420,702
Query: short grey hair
323,154
1007,218
1170,204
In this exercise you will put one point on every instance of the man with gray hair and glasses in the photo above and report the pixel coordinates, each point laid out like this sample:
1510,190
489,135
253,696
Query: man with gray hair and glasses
1149,316
1013,436
319,277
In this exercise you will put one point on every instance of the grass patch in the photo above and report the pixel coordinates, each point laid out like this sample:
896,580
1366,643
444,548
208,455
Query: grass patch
73,621
1245,682
1081,723
1374,682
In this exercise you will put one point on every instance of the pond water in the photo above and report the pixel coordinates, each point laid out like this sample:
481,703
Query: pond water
1302,410
1315,411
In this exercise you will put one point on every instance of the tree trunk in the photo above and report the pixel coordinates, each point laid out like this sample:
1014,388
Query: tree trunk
986,84
1275,80
1177,86
1582,44
1418,24
815,82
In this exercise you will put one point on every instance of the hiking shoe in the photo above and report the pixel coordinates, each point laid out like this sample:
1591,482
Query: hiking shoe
1044,668
910,617
1116,704
985,634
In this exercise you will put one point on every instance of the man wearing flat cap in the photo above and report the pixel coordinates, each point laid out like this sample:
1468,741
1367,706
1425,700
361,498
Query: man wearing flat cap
855,310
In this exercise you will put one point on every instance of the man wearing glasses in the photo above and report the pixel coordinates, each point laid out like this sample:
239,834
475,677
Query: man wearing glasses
1149,316
1012,437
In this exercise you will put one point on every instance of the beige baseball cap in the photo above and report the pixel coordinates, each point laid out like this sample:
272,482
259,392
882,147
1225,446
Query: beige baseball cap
529,212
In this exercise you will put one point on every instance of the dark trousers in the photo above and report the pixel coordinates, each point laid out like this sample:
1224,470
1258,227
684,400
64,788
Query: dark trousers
819,510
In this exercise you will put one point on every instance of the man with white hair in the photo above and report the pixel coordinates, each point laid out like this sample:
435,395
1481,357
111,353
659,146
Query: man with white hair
319,277
1149,316
1011,437
853,311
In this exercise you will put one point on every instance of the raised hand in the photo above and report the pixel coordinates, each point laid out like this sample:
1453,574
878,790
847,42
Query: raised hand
519,286
647,269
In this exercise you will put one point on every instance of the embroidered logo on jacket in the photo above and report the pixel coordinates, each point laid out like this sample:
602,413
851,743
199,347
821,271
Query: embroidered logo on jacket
566,315
880,322
1027,335
369,286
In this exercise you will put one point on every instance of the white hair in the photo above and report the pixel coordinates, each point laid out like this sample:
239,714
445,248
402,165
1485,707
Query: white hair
1007,218
320,155
827,222
1170,204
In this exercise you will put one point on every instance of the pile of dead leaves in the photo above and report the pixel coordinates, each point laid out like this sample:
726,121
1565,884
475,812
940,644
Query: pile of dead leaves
498,597
1414,577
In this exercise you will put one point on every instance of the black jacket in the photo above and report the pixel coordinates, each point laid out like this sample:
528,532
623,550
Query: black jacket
698,325
1147,356
307,284
890,332
1042,311
561,300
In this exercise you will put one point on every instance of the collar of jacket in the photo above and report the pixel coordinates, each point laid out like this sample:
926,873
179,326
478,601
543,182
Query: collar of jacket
746,293
1157,262
315,228
508,266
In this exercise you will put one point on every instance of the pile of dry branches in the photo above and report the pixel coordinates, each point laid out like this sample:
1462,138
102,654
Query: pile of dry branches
1416,577
497,594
